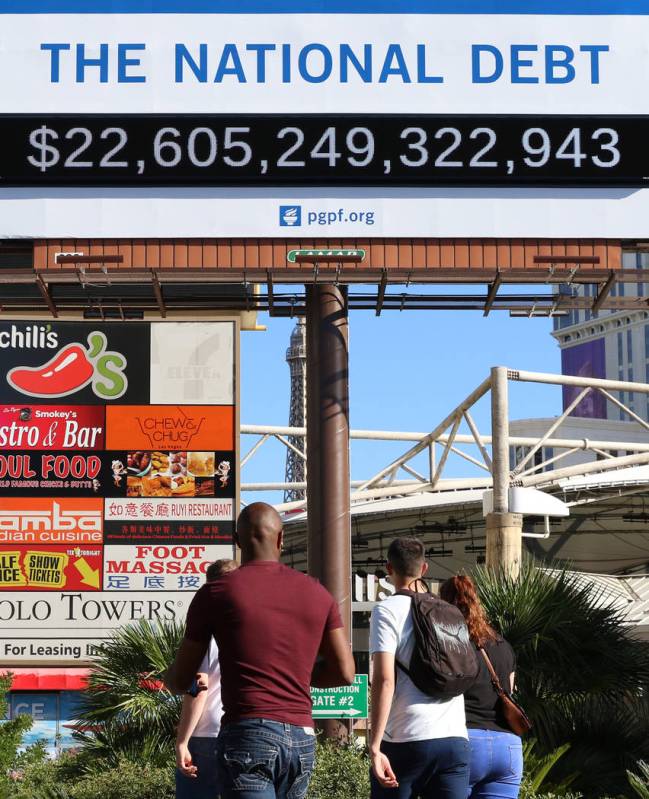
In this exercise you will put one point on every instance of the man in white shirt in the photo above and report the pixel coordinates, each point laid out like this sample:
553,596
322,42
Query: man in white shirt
419,745
200,719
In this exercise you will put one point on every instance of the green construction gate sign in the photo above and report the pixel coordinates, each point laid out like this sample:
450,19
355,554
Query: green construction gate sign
345,702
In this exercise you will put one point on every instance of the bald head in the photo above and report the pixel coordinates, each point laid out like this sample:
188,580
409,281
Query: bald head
259,532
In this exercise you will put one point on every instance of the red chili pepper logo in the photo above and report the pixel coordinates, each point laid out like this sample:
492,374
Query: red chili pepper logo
72,369
67,372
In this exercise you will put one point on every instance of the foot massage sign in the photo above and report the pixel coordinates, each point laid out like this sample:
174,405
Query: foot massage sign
118,478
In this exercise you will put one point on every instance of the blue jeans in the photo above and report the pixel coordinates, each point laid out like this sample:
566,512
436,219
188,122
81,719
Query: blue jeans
205,784
496,764
433,769
261,759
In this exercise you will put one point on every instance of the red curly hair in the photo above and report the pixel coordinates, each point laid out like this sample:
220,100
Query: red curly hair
461,592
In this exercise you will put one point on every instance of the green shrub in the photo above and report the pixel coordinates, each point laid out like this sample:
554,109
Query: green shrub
341,772
64,780
13,764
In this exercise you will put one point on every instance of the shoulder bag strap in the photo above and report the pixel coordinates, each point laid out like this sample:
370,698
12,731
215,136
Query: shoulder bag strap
494,677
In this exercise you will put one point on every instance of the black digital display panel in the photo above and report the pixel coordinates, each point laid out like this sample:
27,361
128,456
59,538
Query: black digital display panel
336,150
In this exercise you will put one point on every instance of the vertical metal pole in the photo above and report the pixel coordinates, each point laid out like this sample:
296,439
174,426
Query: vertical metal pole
504,529
500,438
328,484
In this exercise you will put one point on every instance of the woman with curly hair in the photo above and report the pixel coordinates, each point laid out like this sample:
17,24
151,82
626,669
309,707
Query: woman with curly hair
496,753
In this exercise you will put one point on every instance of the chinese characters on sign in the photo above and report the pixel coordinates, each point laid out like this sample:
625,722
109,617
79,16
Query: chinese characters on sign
130,493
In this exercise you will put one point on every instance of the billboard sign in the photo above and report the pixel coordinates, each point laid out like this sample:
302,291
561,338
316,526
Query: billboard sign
587,359
342,116
107,496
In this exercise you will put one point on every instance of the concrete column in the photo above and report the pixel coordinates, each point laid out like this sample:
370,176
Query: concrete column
504,529
504,542
328,488
500,438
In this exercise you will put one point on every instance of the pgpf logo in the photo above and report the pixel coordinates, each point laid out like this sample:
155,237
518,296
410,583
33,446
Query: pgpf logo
290,215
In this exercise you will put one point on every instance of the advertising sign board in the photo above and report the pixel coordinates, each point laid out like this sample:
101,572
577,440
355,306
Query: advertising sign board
65,473
170,427
69,626
343,116
151,567
587,359
126,503
349,701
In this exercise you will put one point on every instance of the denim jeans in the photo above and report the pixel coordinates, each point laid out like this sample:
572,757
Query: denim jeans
205,784
261,759
496,764
433,769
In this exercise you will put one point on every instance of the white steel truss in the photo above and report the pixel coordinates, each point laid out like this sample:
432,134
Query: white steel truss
402,477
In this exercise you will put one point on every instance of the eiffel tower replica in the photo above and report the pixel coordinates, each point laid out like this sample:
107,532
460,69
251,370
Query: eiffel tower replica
296,360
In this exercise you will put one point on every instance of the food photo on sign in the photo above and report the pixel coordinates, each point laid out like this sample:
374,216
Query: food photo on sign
179,473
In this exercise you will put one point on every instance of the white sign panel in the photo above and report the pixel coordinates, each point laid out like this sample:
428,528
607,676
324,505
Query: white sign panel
191,364
533,57
160,567
169,509
41,627
411,213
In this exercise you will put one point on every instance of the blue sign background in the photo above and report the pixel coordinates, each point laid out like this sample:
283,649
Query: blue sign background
544,7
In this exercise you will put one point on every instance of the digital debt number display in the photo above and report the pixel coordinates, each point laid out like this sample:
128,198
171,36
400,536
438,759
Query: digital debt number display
319,149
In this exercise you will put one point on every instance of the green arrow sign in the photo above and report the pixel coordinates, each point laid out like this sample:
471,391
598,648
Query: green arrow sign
349,701
325,255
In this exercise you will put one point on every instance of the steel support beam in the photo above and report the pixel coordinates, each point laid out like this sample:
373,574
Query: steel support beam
328,482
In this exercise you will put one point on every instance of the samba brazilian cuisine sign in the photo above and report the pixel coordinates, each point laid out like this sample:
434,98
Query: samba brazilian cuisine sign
117,474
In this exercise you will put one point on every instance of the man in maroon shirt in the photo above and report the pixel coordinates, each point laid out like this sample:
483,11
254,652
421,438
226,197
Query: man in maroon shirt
271,624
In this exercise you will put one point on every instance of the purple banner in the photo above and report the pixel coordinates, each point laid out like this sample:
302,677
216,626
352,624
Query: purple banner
585,360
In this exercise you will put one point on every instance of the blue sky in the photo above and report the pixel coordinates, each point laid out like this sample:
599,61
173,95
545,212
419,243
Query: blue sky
408,370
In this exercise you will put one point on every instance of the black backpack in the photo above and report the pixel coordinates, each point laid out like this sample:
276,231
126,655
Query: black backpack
444,663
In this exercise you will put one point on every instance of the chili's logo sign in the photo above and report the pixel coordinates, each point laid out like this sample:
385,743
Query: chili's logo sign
72,368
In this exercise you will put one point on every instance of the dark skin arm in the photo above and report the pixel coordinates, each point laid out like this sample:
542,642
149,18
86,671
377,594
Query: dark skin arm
180,675
336,665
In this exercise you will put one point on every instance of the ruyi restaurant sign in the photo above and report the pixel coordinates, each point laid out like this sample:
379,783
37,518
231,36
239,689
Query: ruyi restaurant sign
118,477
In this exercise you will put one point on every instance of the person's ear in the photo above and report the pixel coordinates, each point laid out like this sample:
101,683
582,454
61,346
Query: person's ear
424,568
235,538
280,540
390,569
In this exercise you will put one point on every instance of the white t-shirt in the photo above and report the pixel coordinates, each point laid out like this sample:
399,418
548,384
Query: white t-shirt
209,724
413,715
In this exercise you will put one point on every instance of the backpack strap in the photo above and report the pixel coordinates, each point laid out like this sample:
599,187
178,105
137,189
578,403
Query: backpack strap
407,592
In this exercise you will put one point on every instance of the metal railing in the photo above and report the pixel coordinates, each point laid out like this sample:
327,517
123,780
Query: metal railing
488,453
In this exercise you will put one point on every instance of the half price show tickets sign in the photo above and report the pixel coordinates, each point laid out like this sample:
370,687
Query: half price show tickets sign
118,473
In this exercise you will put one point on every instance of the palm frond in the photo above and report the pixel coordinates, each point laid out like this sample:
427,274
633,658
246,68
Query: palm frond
126,710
